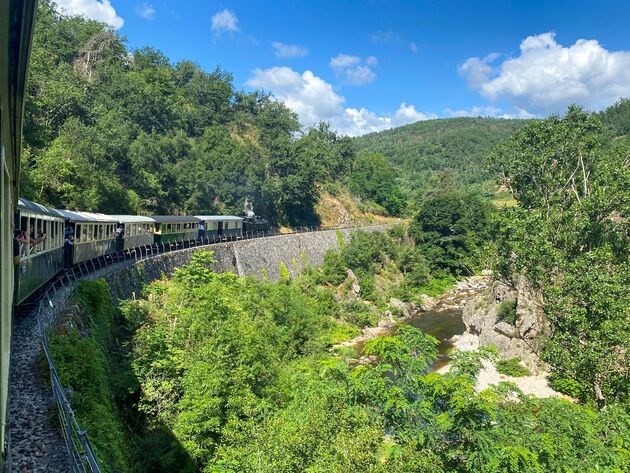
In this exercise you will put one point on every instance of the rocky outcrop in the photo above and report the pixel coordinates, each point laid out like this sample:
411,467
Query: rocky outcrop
520,339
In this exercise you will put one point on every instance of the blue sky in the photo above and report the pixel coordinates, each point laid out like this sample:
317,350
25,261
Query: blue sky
366,66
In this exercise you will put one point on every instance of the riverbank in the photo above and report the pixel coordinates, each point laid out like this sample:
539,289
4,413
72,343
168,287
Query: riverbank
448,305
442,317
535,384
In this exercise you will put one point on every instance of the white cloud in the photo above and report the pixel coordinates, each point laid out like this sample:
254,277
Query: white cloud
408,114
93,9
490,111
344,60
314,100
547,77
475,111
288,51
353,70
413,47
225,21
146,11
386,37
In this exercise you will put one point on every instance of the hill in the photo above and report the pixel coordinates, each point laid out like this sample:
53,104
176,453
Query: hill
114,130
424,151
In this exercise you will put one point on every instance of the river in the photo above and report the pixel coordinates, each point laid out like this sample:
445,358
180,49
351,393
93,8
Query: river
442,321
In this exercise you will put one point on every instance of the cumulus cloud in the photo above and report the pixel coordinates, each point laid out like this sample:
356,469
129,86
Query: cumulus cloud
93,9
224,21
315,100
146,11
288,51
490,111
353,70
547,77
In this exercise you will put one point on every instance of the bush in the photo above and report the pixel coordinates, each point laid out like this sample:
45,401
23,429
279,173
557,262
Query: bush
358,314
470,362
507,312
365,250
512,367
568,386
334,268
82,364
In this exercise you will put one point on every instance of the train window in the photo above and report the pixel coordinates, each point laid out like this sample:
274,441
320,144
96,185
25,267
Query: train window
77,232
84,232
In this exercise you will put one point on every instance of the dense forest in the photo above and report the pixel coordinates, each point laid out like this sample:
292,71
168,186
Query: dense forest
118,131
429,152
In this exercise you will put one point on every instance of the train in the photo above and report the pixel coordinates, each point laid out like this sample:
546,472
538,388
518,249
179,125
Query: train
53,239
16,32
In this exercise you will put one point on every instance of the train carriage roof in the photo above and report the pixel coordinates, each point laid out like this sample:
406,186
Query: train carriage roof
132,219
175,219
219,218
86,217
30,206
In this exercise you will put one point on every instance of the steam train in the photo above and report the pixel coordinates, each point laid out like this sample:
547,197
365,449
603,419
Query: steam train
54,238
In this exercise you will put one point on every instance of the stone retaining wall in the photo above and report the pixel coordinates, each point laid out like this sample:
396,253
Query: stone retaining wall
260,257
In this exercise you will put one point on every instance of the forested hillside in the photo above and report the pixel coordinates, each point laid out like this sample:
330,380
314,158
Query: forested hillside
113,130
424,152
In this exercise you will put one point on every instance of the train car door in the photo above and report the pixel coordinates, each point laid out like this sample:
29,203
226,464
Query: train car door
220,228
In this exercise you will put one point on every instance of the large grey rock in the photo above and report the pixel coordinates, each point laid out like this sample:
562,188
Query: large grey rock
406,309
353,282
520,340
530,320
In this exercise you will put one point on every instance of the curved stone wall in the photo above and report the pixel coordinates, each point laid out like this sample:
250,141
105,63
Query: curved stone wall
260,257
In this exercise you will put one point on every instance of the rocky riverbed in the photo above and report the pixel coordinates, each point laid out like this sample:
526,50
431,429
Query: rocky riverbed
439,316
465,318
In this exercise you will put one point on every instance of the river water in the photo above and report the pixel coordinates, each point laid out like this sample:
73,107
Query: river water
443,325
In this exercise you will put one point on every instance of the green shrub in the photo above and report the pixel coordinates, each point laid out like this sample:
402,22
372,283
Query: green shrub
82,364
334,268
568,386
470,362
507,312
438,285
358,314
284,272
512,367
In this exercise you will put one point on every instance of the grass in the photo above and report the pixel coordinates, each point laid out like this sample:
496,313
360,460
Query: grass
504,199
507,312
512,367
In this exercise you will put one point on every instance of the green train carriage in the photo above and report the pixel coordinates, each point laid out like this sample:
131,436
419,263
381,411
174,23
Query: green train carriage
219,225
175,228
16,32
137,231
38,262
